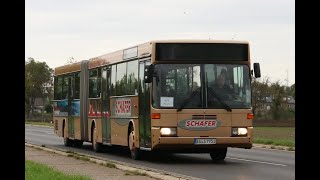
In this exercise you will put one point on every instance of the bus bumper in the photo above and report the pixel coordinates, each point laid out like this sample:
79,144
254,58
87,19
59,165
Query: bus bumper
186,144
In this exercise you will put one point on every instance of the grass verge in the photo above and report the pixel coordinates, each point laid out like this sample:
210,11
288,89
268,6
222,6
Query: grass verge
39,123
39,171
277,136
135,173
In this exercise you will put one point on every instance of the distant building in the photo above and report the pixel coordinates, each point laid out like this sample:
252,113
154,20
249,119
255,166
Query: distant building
39,104
290,102
265,103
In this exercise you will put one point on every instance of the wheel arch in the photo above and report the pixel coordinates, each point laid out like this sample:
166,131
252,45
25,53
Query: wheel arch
93,124
131,124
63,126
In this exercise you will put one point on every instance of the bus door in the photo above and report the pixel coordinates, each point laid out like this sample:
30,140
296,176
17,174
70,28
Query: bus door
105,119
144,107
70,105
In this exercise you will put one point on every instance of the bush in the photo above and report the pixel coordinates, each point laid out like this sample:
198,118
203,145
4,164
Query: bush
48,108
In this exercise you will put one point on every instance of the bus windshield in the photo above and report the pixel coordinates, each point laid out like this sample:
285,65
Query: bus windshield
194,86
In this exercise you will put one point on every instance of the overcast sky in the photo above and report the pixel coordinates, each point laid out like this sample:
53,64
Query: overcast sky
57,30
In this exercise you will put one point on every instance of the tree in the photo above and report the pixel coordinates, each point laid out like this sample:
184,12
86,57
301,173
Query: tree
38,82
260,90
292,90
278,93
71,60
48,108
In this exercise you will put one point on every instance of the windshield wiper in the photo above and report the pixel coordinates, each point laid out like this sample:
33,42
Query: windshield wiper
188,99
227,107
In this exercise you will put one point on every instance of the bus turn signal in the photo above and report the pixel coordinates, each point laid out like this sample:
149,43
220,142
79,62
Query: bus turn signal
249,116
155,115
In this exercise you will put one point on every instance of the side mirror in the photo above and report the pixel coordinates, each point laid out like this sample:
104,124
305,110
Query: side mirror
256,69
148,73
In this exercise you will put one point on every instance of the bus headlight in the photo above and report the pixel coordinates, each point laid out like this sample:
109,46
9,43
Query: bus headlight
239,131
168,131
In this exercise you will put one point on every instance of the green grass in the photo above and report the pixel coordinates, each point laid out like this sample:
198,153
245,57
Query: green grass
277,136
135,173
82,158
77,156
39,123
290,149
39,171
110,165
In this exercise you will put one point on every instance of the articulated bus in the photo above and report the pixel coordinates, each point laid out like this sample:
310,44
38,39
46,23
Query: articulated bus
181,96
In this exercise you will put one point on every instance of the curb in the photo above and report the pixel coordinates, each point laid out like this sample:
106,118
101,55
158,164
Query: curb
154,173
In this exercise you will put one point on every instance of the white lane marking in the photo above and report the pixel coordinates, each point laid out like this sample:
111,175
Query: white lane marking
257,161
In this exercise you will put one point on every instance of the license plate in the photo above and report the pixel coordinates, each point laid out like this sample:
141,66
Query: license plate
204,141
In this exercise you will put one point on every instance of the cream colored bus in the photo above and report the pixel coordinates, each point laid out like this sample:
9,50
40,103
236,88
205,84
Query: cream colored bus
182,96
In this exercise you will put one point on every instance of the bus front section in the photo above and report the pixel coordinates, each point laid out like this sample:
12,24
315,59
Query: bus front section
202,107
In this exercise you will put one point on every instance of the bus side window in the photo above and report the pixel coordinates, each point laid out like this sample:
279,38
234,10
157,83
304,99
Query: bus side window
65,89
94,83
57,88
77,86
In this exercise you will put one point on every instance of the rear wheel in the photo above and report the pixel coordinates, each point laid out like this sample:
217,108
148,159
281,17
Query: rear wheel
97,147
219,154
78,143
66,141
134,151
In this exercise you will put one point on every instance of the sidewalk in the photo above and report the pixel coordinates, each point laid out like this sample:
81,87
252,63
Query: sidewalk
70,165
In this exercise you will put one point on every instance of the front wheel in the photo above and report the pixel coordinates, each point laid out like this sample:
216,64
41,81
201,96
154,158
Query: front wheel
134,151
218,155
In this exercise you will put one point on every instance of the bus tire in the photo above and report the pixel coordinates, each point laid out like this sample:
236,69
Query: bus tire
66,141
134,151
97,147
78,143
219,154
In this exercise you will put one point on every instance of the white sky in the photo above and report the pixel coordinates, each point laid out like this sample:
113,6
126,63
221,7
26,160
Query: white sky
60,29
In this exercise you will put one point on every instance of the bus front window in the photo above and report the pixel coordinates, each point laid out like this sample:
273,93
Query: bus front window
194,86
174,83
228,84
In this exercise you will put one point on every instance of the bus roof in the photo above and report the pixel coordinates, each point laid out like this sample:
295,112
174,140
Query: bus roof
142,50
74,67
200,41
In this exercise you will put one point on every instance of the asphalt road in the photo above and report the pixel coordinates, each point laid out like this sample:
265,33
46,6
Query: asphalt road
240,164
